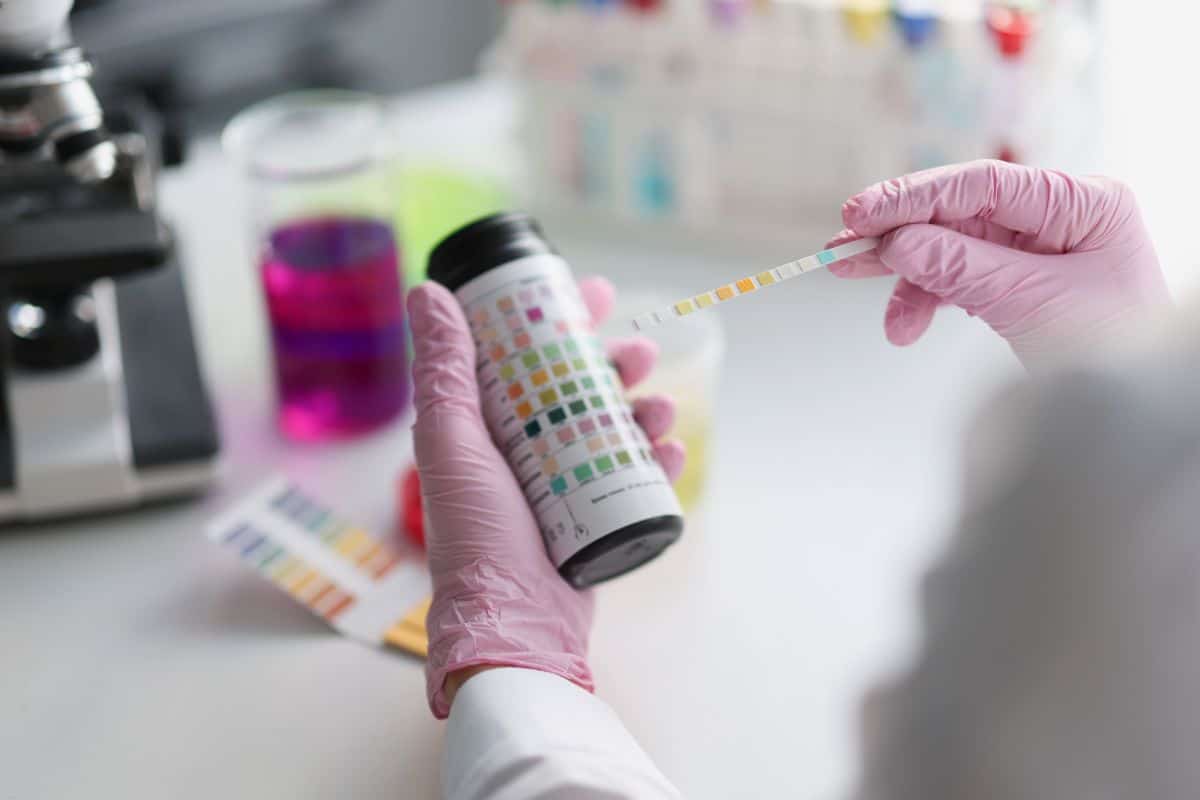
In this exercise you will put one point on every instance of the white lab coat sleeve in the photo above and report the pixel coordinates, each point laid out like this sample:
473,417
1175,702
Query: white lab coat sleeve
519,733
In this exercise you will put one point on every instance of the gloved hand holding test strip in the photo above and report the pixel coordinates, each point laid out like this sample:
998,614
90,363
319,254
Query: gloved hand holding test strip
753,283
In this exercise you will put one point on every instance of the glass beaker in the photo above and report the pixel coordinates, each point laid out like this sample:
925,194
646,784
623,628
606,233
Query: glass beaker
323,200
690,356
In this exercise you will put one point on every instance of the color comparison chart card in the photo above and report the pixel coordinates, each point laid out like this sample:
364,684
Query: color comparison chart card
354,581
554,406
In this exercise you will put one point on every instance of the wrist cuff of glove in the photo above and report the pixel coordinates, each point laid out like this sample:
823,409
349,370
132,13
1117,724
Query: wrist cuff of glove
570,668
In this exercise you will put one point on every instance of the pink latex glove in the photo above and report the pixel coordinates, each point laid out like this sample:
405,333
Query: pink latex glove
1051,262
497,599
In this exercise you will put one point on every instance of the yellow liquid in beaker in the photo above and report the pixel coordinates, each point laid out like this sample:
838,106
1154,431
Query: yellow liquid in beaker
696,436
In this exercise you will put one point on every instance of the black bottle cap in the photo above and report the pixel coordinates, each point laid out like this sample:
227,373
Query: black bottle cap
621,551
485,244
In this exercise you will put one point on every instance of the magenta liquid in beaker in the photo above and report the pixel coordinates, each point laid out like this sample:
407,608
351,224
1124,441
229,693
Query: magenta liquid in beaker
319,165
335,304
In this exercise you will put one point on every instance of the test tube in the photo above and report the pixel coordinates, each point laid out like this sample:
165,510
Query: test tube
917,21
866,20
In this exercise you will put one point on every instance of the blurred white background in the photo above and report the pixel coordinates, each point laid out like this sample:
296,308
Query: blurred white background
1152,126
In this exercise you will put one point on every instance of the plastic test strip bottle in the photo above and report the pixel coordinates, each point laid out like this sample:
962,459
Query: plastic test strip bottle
553,404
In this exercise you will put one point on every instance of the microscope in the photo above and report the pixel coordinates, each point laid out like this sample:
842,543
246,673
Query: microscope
103,403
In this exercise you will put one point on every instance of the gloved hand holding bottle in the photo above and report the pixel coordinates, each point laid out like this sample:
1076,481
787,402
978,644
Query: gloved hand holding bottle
498,599
1051,262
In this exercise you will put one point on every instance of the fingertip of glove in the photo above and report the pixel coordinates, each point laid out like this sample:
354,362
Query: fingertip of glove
600,296
424,301
902,326
635,353
844,269
597,285
854,212
843,237
672,456
655,413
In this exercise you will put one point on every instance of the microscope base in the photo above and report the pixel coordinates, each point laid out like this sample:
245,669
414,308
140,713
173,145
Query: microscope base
133,425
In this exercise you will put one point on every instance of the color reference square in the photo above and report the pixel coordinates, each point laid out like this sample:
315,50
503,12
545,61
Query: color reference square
614,439
597,402
595,445
548,397
569,387
514,323
571,346
488,335
507,373
540,448
587,426
560,370
515,391
623,458
525,410
579,364
550,466
530,360
552,352
526,297
522,341
604,464
505,304
556,416
724,293
497,352
535,314
587,382
746,285
481,316
561,327
583,473
606,420
565,435
578,407
558,485
533,428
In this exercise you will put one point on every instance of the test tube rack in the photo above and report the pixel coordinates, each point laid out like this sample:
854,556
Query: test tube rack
745,116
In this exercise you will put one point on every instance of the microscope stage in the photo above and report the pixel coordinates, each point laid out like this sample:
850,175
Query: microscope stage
132,425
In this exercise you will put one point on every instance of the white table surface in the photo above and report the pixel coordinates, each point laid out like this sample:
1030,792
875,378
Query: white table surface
138,660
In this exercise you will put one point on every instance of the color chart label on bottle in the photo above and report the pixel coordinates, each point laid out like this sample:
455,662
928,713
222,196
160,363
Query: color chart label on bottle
554,406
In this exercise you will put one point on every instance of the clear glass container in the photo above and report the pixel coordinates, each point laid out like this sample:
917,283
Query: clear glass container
690,355
323,200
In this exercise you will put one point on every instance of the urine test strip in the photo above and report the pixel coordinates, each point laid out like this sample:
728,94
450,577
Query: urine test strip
752,283
351,579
